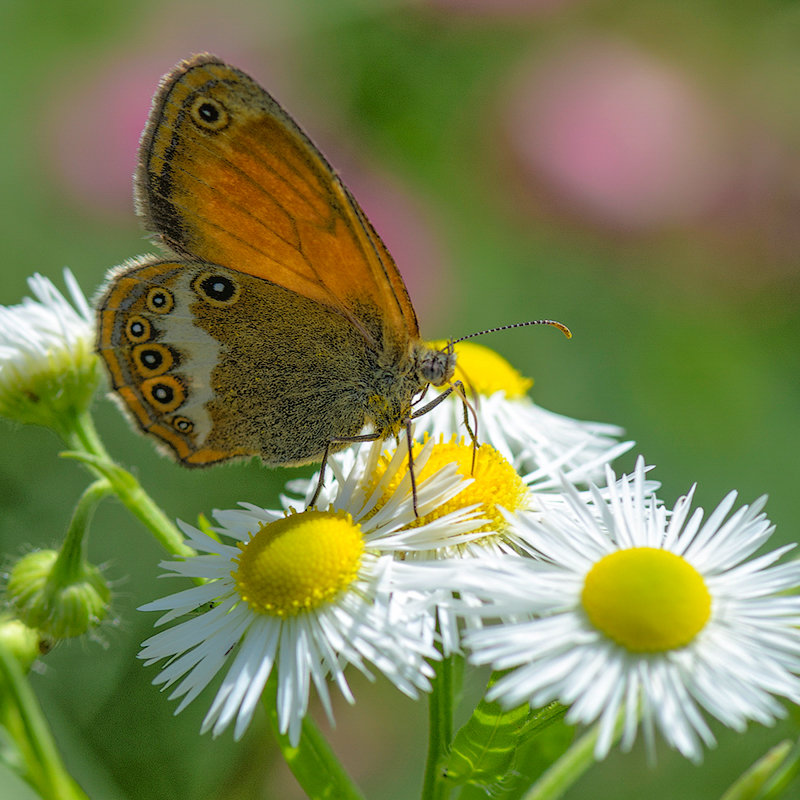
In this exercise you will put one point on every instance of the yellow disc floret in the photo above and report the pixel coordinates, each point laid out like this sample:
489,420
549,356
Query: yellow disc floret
298,563
495,481
646,600
485,372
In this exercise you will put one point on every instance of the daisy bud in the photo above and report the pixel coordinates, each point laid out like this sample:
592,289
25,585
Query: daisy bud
58,601
22,642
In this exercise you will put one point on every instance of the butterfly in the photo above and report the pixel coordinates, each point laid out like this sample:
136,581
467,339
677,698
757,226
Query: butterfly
276,324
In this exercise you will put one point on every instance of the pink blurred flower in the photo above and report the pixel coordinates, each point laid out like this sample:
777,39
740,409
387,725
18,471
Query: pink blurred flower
617,135
404,224
94,128
97,107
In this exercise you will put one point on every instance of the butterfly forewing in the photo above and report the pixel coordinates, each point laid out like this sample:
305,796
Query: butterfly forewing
227,177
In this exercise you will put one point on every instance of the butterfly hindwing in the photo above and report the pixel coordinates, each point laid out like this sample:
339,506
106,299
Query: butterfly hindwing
200,356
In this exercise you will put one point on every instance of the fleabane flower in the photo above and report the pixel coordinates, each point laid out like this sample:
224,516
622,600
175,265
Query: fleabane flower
490,488
304,595
647,616
48,369
495,489
530,437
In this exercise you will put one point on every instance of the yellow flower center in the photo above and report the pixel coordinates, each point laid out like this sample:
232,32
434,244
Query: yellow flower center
646,600
495,482
486,372
298,563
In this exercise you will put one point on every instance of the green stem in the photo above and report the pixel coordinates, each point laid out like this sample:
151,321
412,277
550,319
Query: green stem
312,761
440,730
26,723
84,437
569,767
72,553
84,440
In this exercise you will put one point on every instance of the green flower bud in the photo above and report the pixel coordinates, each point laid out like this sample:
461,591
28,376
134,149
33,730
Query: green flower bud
61,606
23,643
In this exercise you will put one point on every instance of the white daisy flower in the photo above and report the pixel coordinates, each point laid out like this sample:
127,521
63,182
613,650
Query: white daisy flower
495,489
48,368
530,437
648,616
306,594
492,489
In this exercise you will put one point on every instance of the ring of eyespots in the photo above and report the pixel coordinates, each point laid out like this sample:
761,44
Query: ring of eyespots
182,424
219,290
164,393
138,329
209,114
159,301
153,359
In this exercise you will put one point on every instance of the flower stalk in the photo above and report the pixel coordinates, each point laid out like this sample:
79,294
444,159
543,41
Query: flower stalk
88,448
569,767
311,760
440,729
23,719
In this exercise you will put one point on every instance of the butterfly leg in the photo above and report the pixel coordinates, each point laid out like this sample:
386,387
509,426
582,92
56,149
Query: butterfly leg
364,437
369,437
458,388
321,481
411,475
467,407
436,400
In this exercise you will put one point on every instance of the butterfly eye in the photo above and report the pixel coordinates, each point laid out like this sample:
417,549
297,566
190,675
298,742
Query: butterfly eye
138,329
153,359
209,114
165,393
219,290
182,424
159,301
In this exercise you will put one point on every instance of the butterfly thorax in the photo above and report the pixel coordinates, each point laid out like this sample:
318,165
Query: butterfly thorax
389,405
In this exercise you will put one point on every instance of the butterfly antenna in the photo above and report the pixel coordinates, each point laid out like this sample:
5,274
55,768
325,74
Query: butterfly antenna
560,325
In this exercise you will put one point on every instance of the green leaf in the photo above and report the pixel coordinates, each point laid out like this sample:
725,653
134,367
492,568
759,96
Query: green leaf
768,776
486,748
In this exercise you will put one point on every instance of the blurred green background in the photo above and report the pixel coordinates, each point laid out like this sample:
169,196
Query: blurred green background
629,168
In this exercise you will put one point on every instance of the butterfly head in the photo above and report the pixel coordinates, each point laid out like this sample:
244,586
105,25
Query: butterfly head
436,366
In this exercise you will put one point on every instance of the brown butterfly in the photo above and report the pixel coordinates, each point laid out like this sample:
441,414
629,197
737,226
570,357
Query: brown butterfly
277,325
